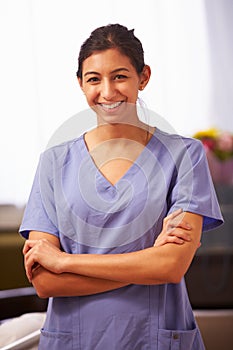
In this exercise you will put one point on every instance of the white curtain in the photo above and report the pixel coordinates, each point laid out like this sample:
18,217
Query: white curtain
187,43
219,23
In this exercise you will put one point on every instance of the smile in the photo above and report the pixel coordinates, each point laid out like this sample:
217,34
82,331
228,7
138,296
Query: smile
111,106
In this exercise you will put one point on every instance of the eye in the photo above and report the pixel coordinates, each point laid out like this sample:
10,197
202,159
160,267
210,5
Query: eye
93,80
120,77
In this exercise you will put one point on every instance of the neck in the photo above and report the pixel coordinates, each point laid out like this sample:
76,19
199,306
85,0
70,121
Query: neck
138,132
135,131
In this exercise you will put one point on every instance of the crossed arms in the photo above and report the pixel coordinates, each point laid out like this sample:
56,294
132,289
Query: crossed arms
56,273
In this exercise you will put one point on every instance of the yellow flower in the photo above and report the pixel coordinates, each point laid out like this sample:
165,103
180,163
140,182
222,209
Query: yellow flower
216,141
209,133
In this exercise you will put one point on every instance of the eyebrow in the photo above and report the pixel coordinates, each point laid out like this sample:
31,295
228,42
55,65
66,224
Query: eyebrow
114,71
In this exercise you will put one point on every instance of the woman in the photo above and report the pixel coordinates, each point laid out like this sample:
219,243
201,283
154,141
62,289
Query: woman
115,216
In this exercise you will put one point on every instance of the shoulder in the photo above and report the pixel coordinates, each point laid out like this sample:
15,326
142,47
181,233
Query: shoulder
175,138
176,143
55,158
61,152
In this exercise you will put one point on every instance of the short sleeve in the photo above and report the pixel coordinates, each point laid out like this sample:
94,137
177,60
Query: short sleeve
35,216
193,189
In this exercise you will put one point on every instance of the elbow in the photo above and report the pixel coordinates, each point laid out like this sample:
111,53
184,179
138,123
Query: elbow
175,272
169,276
43,294
41,291
41,283
176,278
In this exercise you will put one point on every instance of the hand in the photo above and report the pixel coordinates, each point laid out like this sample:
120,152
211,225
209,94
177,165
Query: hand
41,252
175,230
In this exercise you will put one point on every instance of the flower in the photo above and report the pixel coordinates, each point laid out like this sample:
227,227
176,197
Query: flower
219,142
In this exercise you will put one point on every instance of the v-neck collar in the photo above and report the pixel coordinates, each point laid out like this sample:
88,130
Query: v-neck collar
100,176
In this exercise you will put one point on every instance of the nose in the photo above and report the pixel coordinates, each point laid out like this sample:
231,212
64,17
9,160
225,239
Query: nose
108,90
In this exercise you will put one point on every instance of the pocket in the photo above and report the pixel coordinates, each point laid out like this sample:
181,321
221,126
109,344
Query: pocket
176,340
55,340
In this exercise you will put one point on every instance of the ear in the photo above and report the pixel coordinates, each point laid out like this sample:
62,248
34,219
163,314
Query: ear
144,77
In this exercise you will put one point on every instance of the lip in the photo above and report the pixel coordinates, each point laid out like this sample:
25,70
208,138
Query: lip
111,107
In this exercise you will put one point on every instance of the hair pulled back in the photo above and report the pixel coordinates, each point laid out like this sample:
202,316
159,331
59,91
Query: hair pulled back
113,36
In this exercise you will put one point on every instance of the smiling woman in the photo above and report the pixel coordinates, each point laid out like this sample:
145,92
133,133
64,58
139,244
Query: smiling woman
115,216
111,81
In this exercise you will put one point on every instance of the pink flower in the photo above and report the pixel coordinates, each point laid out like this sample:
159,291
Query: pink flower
208,144
220,143
225,142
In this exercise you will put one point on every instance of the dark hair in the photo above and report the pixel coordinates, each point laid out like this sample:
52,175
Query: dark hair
113,36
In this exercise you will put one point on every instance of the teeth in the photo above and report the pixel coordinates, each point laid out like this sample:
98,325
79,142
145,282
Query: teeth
113,105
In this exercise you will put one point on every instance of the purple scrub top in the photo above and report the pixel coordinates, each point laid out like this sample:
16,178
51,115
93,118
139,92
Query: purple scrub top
72,200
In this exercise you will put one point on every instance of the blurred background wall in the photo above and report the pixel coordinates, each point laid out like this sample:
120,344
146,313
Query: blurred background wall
187,43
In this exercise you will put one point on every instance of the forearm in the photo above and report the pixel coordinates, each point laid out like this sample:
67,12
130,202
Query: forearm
155,265
48,284
147,266
164,264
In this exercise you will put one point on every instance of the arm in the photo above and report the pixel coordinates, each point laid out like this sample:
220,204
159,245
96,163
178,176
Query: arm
49,284
155,265
158,264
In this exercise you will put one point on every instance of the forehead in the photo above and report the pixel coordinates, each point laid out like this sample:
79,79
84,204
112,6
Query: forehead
107,60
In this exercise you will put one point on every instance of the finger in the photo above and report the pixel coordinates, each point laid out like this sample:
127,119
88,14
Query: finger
30,263
178,223
28,245
174,214
184,237
160,242
174,219
180,233
25,248
177,240
185,225
28,270
168,239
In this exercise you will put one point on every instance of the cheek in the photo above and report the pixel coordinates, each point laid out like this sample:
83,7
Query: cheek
130,91
90,94
133,96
